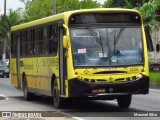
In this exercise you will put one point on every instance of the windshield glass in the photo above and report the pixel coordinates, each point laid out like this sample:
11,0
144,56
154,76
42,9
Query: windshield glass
109,46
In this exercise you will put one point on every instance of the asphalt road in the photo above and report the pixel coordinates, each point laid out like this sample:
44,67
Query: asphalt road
146,104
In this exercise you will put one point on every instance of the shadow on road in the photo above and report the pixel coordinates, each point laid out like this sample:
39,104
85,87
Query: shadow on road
81,105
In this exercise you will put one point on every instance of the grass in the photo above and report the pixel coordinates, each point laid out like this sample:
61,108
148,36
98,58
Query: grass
154,77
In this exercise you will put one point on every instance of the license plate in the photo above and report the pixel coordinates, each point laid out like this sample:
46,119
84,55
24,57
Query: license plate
99,90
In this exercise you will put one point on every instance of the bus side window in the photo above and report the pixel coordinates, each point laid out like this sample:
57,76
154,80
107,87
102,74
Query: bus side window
53,40
24,43
38,41
29,45
45,41
21,45
13,44
32,40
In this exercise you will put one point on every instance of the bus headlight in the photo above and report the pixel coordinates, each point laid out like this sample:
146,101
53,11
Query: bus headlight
79,78
140,76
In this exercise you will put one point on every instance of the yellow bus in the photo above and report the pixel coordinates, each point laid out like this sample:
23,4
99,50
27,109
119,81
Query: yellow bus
84,54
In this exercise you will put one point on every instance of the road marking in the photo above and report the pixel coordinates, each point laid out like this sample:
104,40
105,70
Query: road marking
155,89
78,118
5,98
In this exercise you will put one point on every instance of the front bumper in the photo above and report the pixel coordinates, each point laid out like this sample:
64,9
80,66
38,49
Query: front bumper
78,88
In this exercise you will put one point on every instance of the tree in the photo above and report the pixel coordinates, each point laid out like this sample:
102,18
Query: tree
84,4
124,3
67,5
148,11
147,8
6,22
114,3
36,9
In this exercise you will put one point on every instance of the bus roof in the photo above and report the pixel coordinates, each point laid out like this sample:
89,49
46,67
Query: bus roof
64,15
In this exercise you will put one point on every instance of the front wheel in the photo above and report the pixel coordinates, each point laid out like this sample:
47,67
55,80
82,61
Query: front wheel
27,96
124,101
58,101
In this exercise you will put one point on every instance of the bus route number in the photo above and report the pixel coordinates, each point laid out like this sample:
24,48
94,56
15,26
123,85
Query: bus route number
134,69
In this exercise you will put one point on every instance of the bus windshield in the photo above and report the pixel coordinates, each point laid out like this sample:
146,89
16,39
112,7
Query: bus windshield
107,46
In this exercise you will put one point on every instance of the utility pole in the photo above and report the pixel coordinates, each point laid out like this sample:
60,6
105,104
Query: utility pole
4,7
54,6
4,39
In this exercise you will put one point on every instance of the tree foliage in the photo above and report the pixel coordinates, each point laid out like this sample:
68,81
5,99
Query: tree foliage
67,5
124,3
36,9
147,8
148,11
6,22
84,4
114,3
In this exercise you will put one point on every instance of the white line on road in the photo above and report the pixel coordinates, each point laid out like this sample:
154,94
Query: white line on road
78,118
155,89
3,96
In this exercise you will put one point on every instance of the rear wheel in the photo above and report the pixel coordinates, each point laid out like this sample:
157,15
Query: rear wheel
58,101
124,101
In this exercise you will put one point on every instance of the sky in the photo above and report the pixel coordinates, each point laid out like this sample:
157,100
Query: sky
14,4
11,4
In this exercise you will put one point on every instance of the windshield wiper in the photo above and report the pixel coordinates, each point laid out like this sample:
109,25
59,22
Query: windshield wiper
98,39
116,39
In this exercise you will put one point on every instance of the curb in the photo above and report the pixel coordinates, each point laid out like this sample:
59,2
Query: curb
154,86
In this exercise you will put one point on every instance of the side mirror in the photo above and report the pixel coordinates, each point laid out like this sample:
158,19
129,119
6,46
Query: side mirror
65,41
149,41
158,47
65,38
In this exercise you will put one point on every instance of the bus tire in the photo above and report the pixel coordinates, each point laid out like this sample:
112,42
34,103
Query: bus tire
58,101
124,101
27,96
